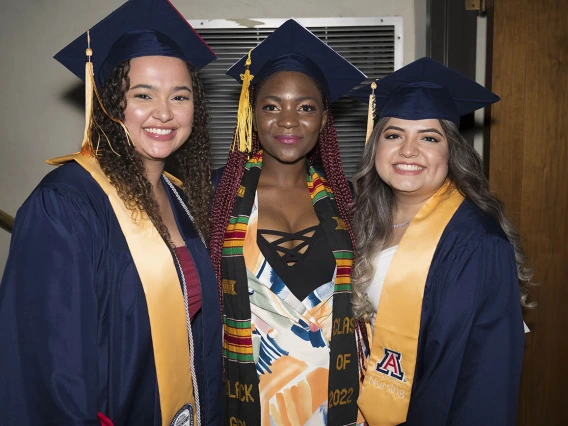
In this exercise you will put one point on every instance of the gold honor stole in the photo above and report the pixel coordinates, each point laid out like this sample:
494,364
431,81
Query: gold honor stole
164,297
385,393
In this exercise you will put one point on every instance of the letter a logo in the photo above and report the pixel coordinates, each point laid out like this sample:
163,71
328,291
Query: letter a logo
390,364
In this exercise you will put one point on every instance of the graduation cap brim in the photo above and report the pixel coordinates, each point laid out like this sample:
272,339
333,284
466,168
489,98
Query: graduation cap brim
155,15
293,40
426,87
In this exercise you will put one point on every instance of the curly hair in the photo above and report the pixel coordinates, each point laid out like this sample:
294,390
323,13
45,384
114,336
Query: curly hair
124,168
375,204
325,152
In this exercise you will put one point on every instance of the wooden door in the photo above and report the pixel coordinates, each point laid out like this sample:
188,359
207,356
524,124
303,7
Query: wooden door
528,169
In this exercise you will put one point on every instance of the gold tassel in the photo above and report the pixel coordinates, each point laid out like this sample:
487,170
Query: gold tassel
371,112
87,148
243,131
86,145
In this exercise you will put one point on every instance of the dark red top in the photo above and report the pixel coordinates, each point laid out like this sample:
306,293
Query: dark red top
191,280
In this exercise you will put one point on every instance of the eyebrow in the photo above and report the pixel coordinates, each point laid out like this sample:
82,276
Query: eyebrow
178,88
394,128
400,129
143,86
431,130
150,87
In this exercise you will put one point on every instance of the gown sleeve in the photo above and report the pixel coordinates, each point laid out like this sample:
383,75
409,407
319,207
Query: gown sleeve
48,314
473,346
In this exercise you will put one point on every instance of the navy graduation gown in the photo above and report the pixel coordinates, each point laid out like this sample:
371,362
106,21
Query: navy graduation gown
471,341
74,322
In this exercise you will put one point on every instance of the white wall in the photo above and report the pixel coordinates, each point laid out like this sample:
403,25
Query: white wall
38,120
420,27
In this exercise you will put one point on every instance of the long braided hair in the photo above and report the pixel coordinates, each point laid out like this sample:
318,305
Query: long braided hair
326,153
124,167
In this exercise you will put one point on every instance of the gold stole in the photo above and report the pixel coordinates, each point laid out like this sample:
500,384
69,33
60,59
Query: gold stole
385,393
164,296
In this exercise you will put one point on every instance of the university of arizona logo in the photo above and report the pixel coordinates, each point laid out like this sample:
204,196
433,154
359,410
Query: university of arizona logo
184,417
390,365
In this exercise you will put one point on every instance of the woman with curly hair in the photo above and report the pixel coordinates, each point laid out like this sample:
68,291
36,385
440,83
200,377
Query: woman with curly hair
439,263
109,311
281,240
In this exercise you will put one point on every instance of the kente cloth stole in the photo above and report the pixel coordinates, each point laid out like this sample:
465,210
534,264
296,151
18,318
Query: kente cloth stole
385,394
242,402
164,297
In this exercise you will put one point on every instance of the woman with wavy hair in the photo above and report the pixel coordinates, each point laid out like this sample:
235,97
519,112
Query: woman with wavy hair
439,264
281,240
108,306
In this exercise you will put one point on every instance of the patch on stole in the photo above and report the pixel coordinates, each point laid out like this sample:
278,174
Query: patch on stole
184,417
390,365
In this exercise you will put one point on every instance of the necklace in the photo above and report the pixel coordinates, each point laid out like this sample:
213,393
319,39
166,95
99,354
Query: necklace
401,225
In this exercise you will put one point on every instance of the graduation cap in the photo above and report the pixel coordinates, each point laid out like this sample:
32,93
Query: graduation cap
137,28
291,47
426,89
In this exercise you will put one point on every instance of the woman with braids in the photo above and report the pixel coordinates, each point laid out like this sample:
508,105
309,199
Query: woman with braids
439,263
281,241
109,312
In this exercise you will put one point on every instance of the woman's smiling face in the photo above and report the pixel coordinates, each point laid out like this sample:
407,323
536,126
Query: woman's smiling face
412,156
288,116
159,106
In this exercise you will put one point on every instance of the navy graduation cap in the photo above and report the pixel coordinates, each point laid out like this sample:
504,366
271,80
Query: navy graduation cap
427,89
291,47
137,28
